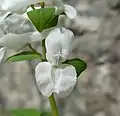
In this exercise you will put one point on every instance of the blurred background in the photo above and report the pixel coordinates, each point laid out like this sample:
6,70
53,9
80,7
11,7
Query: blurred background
97,41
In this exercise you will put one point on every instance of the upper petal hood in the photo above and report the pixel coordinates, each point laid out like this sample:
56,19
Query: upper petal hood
53,41
58,45
53,46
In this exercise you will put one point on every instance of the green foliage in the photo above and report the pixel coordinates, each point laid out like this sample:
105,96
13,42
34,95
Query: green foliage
23,56
43,18
28,112
79,65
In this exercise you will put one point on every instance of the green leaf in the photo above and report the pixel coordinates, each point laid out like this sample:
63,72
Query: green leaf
23,56
79,65
27,112
43,18
24,112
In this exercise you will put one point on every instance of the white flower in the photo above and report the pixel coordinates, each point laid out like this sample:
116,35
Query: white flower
17,41
11,36
67,9
60,80
17,6
21,6
58,45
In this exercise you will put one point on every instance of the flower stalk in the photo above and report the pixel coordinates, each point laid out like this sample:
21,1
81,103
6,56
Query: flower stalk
43,50
53,106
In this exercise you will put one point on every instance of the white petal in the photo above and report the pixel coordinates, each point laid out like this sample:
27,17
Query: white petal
17,6
14,41
18,41
36,37
2,53
67,42
70,11
53,41
67,39
45,32
59,6
44,78
65,80
53,45
1,32
4,16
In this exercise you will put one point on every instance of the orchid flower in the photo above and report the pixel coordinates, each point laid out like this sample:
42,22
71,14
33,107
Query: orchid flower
58,45
60,80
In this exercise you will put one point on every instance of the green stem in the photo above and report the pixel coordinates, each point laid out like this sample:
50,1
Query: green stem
43,50
32,48
53,106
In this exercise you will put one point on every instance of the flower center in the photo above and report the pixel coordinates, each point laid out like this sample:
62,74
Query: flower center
57,56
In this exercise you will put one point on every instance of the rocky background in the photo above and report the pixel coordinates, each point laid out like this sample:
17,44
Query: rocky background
97,41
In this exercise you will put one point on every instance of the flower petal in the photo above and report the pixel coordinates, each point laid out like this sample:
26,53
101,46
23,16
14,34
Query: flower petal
17,6
58,45
65,80
5,14
45,32
70,11
18,41
35,37
13,6
44,78
58,4
67,42
67,39
53,41
53,45
2,53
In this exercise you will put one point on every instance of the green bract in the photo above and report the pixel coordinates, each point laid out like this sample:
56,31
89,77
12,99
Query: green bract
79,65
43,18
23,56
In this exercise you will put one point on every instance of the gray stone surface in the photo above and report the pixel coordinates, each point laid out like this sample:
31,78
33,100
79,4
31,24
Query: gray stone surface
97,41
